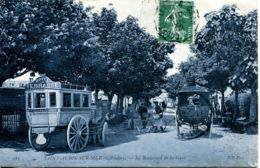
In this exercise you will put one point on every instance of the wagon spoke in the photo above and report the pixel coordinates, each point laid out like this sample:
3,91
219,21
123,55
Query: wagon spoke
76,124
84,133
78,143
80,124
73,137
73,133
73,129
84,128
73,142
81,141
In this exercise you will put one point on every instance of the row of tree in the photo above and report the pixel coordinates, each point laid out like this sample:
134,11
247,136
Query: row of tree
225,55
70,43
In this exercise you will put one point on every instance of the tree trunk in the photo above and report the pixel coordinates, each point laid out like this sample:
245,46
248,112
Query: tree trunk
117,105
120,105
253,105
1,83
223,109
110,98
1,120
96,95
236,110
135,100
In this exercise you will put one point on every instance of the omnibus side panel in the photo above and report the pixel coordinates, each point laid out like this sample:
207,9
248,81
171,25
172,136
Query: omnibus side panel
66,114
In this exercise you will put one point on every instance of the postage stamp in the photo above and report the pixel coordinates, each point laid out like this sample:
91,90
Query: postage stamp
176,21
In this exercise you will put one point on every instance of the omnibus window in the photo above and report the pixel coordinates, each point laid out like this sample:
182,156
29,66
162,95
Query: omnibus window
76,100
66,100
52,99
40,100
85,100
29,100
193,99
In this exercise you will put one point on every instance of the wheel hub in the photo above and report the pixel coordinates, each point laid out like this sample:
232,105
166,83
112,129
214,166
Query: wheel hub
79,132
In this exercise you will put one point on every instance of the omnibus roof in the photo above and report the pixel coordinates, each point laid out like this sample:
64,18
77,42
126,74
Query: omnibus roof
44,82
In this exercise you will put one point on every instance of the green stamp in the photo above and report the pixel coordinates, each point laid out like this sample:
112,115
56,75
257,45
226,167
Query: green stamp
176,21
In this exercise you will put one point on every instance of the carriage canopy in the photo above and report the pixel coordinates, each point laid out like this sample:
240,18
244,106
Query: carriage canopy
193,95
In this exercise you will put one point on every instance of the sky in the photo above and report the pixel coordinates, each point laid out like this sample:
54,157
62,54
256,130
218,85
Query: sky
146,13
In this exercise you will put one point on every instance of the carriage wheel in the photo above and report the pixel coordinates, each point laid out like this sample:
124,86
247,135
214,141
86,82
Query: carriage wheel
77,133
102,137
32,140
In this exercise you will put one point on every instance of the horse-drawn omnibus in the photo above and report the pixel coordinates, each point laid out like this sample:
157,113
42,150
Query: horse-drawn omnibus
194,114
53,106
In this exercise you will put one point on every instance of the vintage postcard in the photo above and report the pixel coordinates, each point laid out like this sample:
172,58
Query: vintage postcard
128,83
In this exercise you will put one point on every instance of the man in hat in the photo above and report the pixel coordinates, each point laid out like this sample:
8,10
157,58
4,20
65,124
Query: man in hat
158,109
142,110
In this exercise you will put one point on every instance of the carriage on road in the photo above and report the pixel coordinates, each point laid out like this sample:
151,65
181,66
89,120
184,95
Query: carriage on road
54,106
194,114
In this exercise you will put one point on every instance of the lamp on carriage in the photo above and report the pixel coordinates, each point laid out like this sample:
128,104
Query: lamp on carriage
41,139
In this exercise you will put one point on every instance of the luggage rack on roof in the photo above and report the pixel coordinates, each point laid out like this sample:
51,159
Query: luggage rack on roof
72,86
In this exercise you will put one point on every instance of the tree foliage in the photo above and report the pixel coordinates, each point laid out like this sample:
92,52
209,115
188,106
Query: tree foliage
138,62
174,84
226,51
69,43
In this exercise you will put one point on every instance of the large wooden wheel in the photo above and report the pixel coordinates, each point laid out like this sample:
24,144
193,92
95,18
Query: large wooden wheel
38,144
77,133
102,137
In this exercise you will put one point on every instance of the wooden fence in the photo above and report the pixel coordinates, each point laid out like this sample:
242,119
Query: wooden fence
12,112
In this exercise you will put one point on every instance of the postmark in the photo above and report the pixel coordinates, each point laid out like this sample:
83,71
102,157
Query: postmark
176,21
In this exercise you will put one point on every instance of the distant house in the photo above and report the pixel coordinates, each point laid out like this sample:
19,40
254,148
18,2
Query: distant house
14,83
164,96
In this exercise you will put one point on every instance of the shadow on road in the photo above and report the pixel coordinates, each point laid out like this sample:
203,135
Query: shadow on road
215,136
17,143
116,135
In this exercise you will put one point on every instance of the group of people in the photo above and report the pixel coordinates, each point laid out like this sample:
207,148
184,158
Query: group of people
143,111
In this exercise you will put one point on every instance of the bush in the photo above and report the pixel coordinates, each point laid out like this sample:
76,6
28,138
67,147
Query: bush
243,104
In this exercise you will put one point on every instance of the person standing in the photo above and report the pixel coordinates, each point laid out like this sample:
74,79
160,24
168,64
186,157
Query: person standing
159,112
164,106
142,110
158,109
130,114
